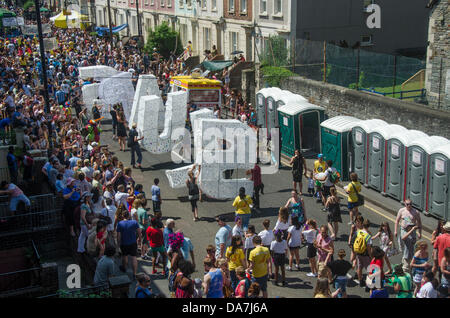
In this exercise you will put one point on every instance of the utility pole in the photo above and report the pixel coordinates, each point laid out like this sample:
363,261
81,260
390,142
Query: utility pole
110,26
138,18
44,72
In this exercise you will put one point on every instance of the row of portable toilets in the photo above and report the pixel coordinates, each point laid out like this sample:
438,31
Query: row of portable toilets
391,159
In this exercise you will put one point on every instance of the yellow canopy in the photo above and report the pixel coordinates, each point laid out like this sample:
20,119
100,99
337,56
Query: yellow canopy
70,19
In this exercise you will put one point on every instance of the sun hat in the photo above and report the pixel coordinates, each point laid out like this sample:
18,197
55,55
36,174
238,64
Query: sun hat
446,226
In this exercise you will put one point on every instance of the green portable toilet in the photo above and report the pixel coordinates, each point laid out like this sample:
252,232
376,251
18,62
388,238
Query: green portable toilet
300,127
417,179
261,104
336,135
395,179
378,153
438,195
360,139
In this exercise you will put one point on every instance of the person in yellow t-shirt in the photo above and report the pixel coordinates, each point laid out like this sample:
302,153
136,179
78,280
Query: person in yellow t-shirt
259,263
242,204
319,167
235,257
352,189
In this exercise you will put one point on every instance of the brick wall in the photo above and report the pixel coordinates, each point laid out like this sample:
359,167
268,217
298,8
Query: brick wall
237,15
339,100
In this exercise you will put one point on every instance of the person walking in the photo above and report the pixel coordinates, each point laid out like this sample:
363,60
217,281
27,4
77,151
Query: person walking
156,241
194,192
85,211
133,143
352,189
298,163
258,186
386,243
223,237
297,207
310,233
408,218
235,257
156,196
362,247
442,242
259,262
126,239
419,264
242,205
334,213
121,130
279,249
294,241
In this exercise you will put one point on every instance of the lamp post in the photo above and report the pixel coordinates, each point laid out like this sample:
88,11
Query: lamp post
44,71
110,26
138,18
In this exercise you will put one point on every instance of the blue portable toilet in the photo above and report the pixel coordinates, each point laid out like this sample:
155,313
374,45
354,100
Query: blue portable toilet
377,155
438,195
397,147
417,179
261,104
336,142
360,139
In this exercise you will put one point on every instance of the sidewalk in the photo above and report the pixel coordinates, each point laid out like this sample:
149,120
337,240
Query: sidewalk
386,203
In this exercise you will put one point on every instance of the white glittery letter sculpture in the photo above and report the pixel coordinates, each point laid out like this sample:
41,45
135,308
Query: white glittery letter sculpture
147,85
98,72
118,89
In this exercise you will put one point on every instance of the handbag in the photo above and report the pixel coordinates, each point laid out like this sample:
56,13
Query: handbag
193,197
360,196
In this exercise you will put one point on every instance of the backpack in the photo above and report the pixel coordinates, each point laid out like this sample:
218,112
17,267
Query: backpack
172,278
130,141
360,244
334,177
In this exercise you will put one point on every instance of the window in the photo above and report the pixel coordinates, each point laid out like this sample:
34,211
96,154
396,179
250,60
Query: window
181,3
134,24
189,3
203,4
152,3
214,5
366,40
146,2
277,9
131,1
162,3
234,41
169,3
231,5
206,39
263,6
243,6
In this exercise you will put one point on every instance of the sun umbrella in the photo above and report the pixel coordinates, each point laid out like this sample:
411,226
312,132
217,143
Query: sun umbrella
236,52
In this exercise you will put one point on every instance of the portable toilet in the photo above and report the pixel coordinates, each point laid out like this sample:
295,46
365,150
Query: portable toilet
275,101
261,104
336,135
377,154
396,164
438,195
417,178
360,139
300,127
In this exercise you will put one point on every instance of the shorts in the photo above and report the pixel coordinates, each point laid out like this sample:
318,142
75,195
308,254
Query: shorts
159,249
352,205
293,248
279,259
321,266
362,261
311,250
262,281
129,250
193,204
297,176
156,206
342,284
326,191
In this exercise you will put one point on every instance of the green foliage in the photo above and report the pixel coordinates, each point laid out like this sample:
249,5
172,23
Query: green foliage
273,75
28,4
164,39
275,52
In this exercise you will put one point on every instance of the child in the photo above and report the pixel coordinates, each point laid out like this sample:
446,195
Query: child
310,184
100,240
156,196
266,238
294,242
419,264
386,243
211,253
339,269
279,249
310,233
248,245
198,289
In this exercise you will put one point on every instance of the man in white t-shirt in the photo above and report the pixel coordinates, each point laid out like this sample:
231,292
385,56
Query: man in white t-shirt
121,196
237,229
328,184
428,290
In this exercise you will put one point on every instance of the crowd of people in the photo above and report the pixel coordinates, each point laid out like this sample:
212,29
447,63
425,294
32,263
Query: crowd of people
107,214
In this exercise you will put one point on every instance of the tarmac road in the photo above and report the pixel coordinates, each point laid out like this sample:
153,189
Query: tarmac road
276,193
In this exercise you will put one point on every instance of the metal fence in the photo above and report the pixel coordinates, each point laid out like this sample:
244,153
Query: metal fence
8,137
23,281
388,75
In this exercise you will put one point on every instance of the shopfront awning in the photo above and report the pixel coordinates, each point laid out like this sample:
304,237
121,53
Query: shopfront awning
214,66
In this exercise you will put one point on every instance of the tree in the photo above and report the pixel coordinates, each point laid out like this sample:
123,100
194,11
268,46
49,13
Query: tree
276,52
164,39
